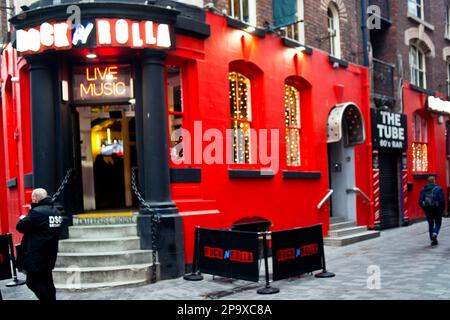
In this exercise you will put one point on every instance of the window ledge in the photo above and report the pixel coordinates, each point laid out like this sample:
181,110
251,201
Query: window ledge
422,90
250,174
342,63
447,37
424,176
185,175
291,43
297,175
416,19
238,24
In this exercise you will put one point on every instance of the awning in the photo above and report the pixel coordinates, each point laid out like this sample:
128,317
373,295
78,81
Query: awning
346,121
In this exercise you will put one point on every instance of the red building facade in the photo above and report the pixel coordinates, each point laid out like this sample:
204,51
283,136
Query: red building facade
216,76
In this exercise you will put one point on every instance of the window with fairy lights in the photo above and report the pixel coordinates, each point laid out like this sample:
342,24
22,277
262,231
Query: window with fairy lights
293,125
420,144
241,117
353,126
176,112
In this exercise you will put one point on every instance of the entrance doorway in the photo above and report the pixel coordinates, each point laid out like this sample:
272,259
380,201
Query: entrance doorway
345,129
389,190
108,153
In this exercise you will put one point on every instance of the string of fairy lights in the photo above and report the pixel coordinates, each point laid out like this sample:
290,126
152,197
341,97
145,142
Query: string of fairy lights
292,118
241,117
420,146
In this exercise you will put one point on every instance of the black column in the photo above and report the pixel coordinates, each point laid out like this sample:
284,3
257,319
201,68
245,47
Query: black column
154,168
43,124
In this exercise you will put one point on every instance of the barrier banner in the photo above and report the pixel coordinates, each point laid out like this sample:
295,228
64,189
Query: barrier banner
231,254
5,258
297,251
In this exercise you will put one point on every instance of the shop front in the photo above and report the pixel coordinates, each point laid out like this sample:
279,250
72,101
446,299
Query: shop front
390,142
157,89
428,115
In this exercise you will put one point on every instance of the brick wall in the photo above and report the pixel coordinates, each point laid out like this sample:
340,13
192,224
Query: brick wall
390,42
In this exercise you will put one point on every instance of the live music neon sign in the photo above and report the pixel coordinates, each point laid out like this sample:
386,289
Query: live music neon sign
106,82
107,33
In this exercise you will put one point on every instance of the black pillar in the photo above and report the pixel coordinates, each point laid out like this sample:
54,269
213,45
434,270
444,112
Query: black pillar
43,124
155,169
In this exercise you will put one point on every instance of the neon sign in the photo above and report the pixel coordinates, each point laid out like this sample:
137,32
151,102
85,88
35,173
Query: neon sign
107,33
108,82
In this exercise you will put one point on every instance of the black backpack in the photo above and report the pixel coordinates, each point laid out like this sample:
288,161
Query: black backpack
429,200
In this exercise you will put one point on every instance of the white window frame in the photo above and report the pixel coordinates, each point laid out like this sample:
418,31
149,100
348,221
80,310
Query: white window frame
447,23
251,11
448,78
334,30
416,9
418,73
297,28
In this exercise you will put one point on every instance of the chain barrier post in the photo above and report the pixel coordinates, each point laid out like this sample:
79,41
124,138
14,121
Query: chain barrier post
16,282
195,275
267,289
155,219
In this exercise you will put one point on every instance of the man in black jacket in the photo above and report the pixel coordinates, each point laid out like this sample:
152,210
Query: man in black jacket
41,229
433,204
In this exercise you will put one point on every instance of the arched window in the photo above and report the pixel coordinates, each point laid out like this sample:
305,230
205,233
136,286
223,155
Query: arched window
334,30
417,66
241,117
420,143
293,125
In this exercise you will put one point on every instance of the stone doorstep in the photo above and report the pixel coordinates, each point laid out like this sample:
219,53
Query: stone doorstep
350,239
102,231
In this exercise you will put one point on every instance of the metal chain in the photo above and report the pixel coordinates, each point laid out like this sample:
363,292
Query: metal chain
155,218
63,184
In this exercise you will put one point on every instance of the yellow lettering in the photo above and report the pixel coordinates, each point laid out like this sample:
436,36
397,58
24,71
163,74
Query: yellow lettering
84,91
89,77
108,90
120,91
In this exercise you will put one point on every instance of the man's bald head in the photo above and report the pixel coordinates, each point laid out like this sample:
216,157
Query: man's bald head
38,195
432,179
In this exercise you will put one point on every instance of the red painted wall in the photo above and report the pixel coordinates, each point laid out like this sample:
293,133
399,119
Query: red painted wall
415,101
219,201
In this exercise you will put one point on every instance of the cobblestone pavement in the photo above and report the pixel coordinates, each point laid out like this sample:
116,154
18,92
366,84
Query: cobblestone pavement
409,269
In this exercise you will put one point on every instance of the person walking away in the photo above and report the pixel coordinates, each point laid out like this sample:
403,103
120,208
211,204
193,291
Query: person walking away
41,229
433,204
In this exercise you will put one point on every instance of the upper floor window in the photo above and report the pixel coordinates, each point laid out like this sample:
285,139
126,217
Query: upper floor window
241,117
415,8
334,31
447,23
420,143
296,31
176,112
244,10
448,79
293,125
417,66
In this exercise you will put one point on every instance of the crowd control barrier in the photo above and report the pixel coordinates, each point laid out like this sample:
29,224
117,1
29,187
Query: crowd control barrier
235,254
8,266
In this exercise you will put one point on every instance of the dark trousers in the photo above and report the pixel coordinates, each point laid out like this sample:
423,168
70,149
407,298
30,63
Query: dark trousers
434,223
41,283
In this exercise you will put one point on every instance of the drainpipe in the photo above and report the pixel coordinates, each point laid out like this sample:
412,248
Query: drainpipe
364,31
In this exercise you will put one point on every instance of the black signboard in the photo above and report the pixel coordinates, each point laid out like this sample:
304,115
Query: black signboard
5,259
297,251
389,130
231,254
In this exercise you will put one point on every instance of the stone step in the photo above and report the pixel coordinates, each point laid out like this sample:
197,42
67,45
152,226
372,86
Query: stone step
342,225
77,277
346,231
103,231
99,245
347,240
336,219
87,219
103,259
100,285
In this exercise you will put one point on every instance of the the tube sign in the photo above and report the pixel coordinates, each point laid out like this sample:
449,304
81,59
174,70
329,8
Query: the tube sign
389,130
102,82
105,33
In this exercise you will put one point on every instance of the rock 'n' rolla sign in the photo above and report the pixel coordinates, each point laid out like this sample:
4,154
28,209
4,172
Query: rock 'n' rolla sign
389,130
